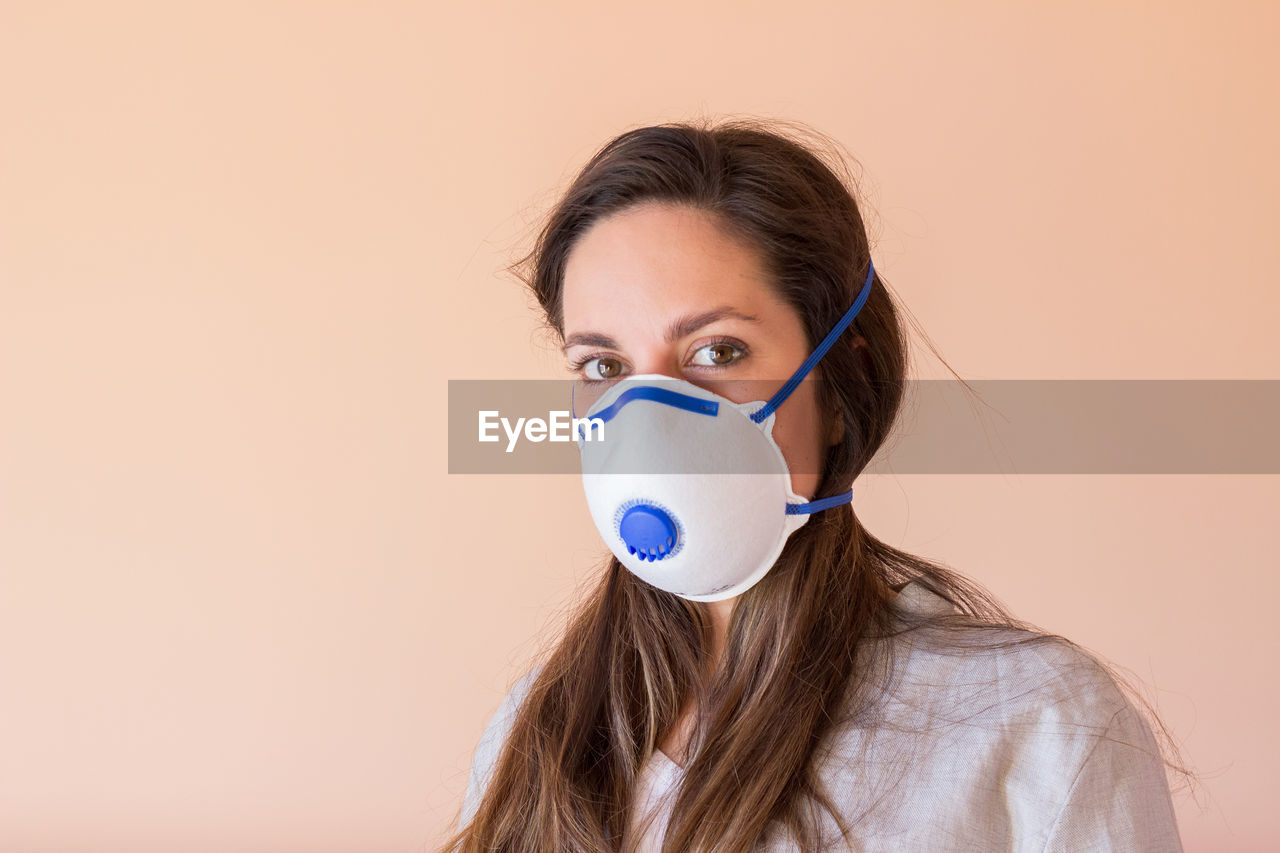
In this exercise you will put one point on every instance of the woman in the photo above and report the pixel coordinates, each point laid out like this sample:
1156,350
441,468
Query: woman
786,681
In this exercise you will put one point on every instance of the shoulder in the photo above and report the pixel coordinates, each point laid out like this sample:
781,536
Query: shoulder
993,671
1028,706
489,749
1001,733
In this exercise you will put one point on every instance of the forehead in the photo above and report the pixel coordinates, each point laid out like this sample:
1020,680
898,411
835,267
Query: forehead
654,261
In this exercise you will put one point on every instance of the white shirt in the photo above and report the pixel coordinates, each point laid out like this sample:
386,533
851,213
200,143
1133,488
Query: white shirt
1007,757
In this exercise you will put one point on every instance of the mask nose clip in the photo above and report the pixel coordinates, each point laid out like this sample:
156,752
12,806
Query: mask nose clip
649,531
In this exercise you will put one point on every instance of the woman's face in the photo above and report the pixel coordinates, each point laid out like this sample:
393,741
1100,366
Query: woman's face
659,288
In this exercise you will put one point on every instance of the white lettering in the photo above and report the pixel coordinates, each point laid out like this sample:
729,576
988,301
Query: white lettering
487,424
559,421
589,424
559,428
513,435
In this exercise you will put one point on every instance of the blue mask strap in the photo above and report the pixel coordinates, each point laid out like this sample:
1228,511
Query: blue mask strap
814,357
820,504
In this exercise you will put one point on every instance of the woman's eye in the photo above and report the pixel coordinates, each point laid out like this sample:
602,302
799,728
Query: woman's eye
717,355
601,368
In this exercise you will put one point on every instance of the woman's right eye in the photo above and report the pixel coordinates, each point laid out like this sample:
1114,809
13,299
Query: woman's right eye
601,368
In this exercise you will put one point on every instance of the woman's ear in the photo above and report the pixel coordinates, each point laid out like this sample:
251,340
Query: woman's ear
835,430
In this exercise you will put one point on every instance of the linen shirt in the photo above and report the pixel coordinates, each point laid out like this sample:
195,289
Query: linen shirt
1030,748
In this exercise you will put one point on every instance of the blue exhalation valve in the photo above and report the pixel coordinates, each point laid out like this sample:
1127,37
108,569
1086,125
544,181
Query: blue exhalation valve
650,533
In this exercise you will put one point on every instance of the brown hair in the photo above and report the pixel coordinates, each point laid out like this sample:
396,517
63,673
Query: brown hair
793,664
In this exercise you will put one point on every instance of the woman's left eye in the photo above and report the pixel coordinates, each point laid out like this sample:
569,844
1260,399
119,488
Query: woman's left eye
717,355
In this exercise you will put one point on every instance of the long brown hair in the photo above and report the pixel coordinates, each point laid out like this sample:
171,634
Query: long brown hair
632,655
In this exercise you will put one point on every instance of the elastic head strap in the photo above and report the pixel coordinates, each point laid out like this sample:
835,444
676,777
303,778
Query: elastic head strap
820,504
814,357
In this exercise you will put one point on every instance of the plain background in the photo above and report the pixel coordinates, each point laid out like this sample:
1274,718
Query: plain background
243,247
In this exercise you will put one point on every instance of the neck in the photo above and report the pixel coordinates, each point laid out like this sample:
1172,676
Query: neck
674,742
720,612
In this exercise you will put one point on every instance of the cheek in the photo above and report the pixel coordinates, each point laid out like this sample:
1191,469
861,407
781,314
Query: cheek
798,431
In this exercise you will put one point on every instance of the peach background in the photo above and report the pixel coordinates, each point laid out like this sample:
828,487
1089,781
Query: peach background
244,245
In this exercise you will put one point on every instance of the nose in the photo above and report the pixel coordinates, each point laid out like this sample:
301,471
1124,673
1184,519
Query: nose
659,362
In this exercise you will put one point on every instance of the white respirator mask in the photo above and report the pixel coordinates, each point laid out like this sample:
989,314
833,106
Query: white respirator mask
689,489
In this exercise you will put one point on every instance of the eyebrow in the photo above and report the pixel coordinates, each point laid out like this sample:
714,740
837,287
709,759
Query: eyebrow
680,328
